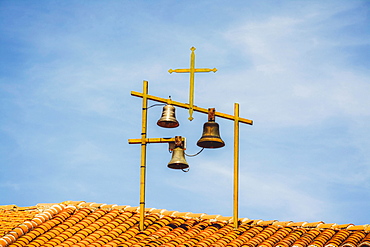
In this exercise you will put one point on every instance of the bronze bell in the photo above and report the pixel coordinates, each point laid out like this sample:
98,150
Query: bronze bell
178,159
178,155
211,133
168,119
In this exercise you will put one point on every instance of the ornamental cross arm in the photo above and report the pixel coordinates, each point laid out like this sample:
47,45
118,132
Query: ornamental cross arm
192,70
188,70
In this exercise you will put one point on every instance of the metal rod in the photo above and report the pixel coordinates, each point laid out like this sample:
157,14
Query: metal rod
191,91
143,155
195,108
195,70
153,140
236,165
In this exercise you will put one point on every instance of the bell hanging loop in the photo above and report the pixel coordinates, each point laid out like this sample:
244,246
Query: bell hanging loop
178,156
211,133
168,119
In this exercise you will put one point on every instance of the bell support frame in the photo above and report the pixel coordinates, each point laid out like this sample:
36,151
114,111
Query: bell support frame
143,141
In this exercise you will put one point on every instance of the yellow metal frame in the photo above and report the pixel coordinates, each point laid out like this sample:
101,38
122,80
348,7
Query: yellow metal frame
144,140
143,155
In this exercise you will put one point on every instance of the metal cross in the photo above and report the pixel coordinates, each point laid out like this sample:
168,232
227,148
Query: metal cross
191,70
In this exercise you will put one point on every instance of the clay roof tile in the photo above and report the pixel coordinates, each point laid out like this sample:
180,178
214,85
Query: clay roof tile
132,209
281,223
210,217
170,213
84,224
297,224
266,223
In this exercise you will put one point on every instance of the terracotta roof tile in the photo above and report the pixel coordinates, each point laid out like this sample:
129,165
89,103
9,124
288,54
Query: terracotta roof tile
81,224
210,217
326,226
132,209
297,224
292,237
266,223
12,216
323,238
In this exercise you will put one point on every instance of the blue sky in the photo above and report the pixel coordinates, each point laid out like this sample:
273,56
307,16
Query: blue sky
298,69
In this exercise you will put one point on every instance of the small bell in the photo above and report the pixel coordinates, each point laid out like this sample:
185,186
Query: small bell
178,155
178,159
211,133
168,119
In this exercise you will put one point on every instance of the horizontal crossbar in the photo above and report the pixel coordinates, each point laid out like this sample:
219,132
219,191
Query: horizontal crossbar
196,108
152,140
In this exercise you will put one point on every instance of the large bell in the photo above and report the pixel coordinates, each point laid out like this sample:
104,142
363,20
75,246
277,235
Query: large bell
178,159
211,133
168,119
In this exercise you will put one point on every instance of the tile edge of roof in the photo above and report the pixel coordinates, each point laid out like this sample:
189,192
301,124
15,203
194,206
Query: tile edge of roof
228,219
47,208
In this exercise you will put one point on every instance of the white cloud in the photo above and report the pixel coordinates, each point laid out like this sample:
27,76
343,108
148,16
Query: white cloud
298,76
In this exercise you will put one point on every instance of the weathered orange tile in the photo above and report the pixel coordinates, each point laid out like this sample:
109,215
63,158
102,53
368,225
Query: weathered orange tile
293,236
297,224
95,225
307,238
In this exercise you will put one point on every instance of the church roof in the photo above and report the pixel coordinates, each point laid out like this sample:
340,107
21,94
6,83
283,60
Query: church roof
81,224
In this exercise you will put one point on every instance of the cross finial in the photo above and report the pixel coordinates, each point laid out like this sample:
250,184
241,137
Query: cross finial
192,71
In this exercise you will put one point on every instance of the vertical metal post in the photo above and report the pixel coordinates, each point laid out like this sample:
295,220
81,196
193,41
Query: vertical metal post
191,93
236,165
143,155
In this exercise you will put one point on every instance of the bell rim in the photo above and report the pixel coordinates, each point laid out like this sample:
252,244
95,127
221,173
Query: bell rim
178,166
218,144
168,124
